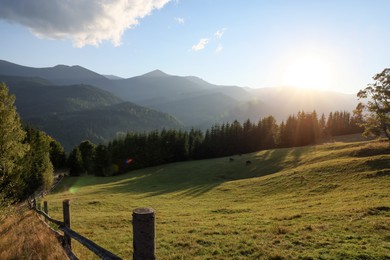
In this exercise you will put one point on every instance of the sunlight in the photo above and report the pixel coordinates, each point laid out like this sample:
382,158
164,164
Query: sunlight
309,72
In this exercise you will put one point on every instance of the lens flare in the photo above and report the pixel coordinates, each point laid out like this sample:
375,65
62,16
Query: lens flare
128,161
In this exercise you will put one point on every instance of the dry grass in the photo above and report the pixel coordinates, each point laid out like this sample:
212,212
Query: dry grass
24,236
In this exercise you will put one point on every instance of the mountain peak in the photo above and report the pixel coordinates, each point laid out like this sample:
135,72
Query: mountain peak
155,73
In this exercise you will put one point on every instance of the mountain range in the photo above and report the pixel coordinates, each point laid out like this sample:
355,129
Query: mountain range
73,103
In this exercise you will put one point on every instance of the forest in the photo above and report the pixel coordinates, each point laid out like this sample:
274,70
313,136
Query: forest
139,150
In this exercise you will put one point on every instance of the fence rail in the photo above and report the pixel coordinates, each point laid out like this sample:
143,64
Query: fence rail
47,217
143,230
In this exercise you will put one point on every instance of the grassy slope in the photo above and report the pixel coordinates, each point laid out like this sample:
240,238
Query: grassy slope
24,236
328,201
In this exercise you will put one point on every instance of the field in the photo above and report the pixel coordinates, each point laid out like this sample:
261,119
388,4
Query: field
328,201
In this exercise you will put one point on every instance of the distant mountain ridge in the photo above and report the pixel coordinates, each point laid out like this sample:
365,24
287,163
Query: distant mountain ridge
56,74
189,99
75,113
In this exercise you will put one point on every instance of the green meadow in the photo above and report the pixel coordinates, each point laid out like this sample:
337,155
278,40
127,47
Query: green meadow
329,201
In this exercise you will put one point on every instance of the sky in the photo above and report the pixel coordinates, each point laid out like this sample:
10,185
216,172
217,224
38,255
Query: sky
337,45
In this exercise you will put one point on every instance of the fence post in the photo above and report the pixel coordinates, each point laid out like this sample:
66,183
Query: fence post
46,210
143,234
66,211
39,205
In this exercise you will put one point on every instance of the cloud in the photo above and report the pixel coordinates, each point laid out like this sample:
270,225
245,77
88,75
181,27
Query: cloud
218,34
201,44
179,20
204,41
219,48
83,21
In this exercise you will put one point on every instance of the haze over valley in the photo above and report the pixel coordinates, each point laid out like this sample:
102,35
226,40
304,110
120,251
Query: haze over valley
73,104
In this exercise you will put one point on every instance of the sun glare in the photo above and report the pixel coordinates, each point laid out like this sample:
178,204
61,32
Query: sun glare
309,72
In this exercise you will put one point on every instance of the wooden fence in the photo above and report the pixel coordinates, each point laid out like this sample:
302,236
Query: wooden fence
143,232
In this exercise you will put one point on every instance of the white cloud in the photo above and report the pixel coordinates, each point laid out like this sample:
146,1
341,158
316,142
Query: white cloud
204,41
179,20
218,34
83,21
201,44
219,48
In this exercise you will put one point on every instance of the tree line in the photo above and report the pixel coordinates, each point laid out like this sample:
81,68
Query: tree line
139,150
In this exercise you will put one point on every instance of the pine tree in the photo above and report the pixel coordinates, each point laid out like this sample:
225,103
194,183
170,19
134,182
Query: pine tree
75,162
87,150
57,155
38,169
103,162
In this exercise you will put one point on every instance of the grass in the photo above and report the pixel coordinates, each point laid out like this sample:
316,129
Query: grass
24,236
328,201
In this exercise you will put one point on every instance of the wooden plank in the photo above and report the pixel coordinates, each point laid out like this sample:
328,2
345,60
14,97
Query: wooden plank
57,222
46,209
98,250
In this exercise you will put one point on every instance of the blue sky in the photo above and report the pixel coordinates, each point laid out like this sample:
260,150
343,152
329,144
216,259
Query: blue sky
331,44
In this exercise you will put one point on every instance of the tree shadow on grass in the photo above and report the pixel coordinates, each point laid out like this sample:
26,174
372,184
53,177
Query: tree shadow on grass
378,163
195,178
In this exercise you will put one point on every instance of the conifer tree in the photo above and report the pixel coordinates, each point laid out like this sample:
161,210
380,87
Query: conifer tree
87,150
57,154
75,162
103,162
37,167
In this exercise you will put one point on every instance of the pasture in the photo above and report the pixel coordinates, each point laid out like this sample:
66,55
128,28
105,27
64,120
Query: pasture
329,201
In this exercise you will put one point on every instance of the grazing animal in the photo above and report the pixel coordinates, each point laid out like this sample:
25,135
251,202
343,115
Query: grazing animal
231,159
248,162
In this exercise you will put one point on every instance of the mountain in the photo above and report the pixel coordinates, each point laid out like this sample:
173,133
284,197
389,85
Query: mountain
154,88
75,113
199,110
112,77
35,96
102,124
58,74
192,100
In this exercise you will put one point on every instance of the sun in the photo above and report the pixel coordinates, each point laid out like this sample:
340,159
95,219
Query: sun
308,72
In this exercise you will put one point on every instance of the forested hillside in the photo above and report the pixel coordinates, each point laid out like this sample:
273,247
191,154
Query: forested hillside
75,113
